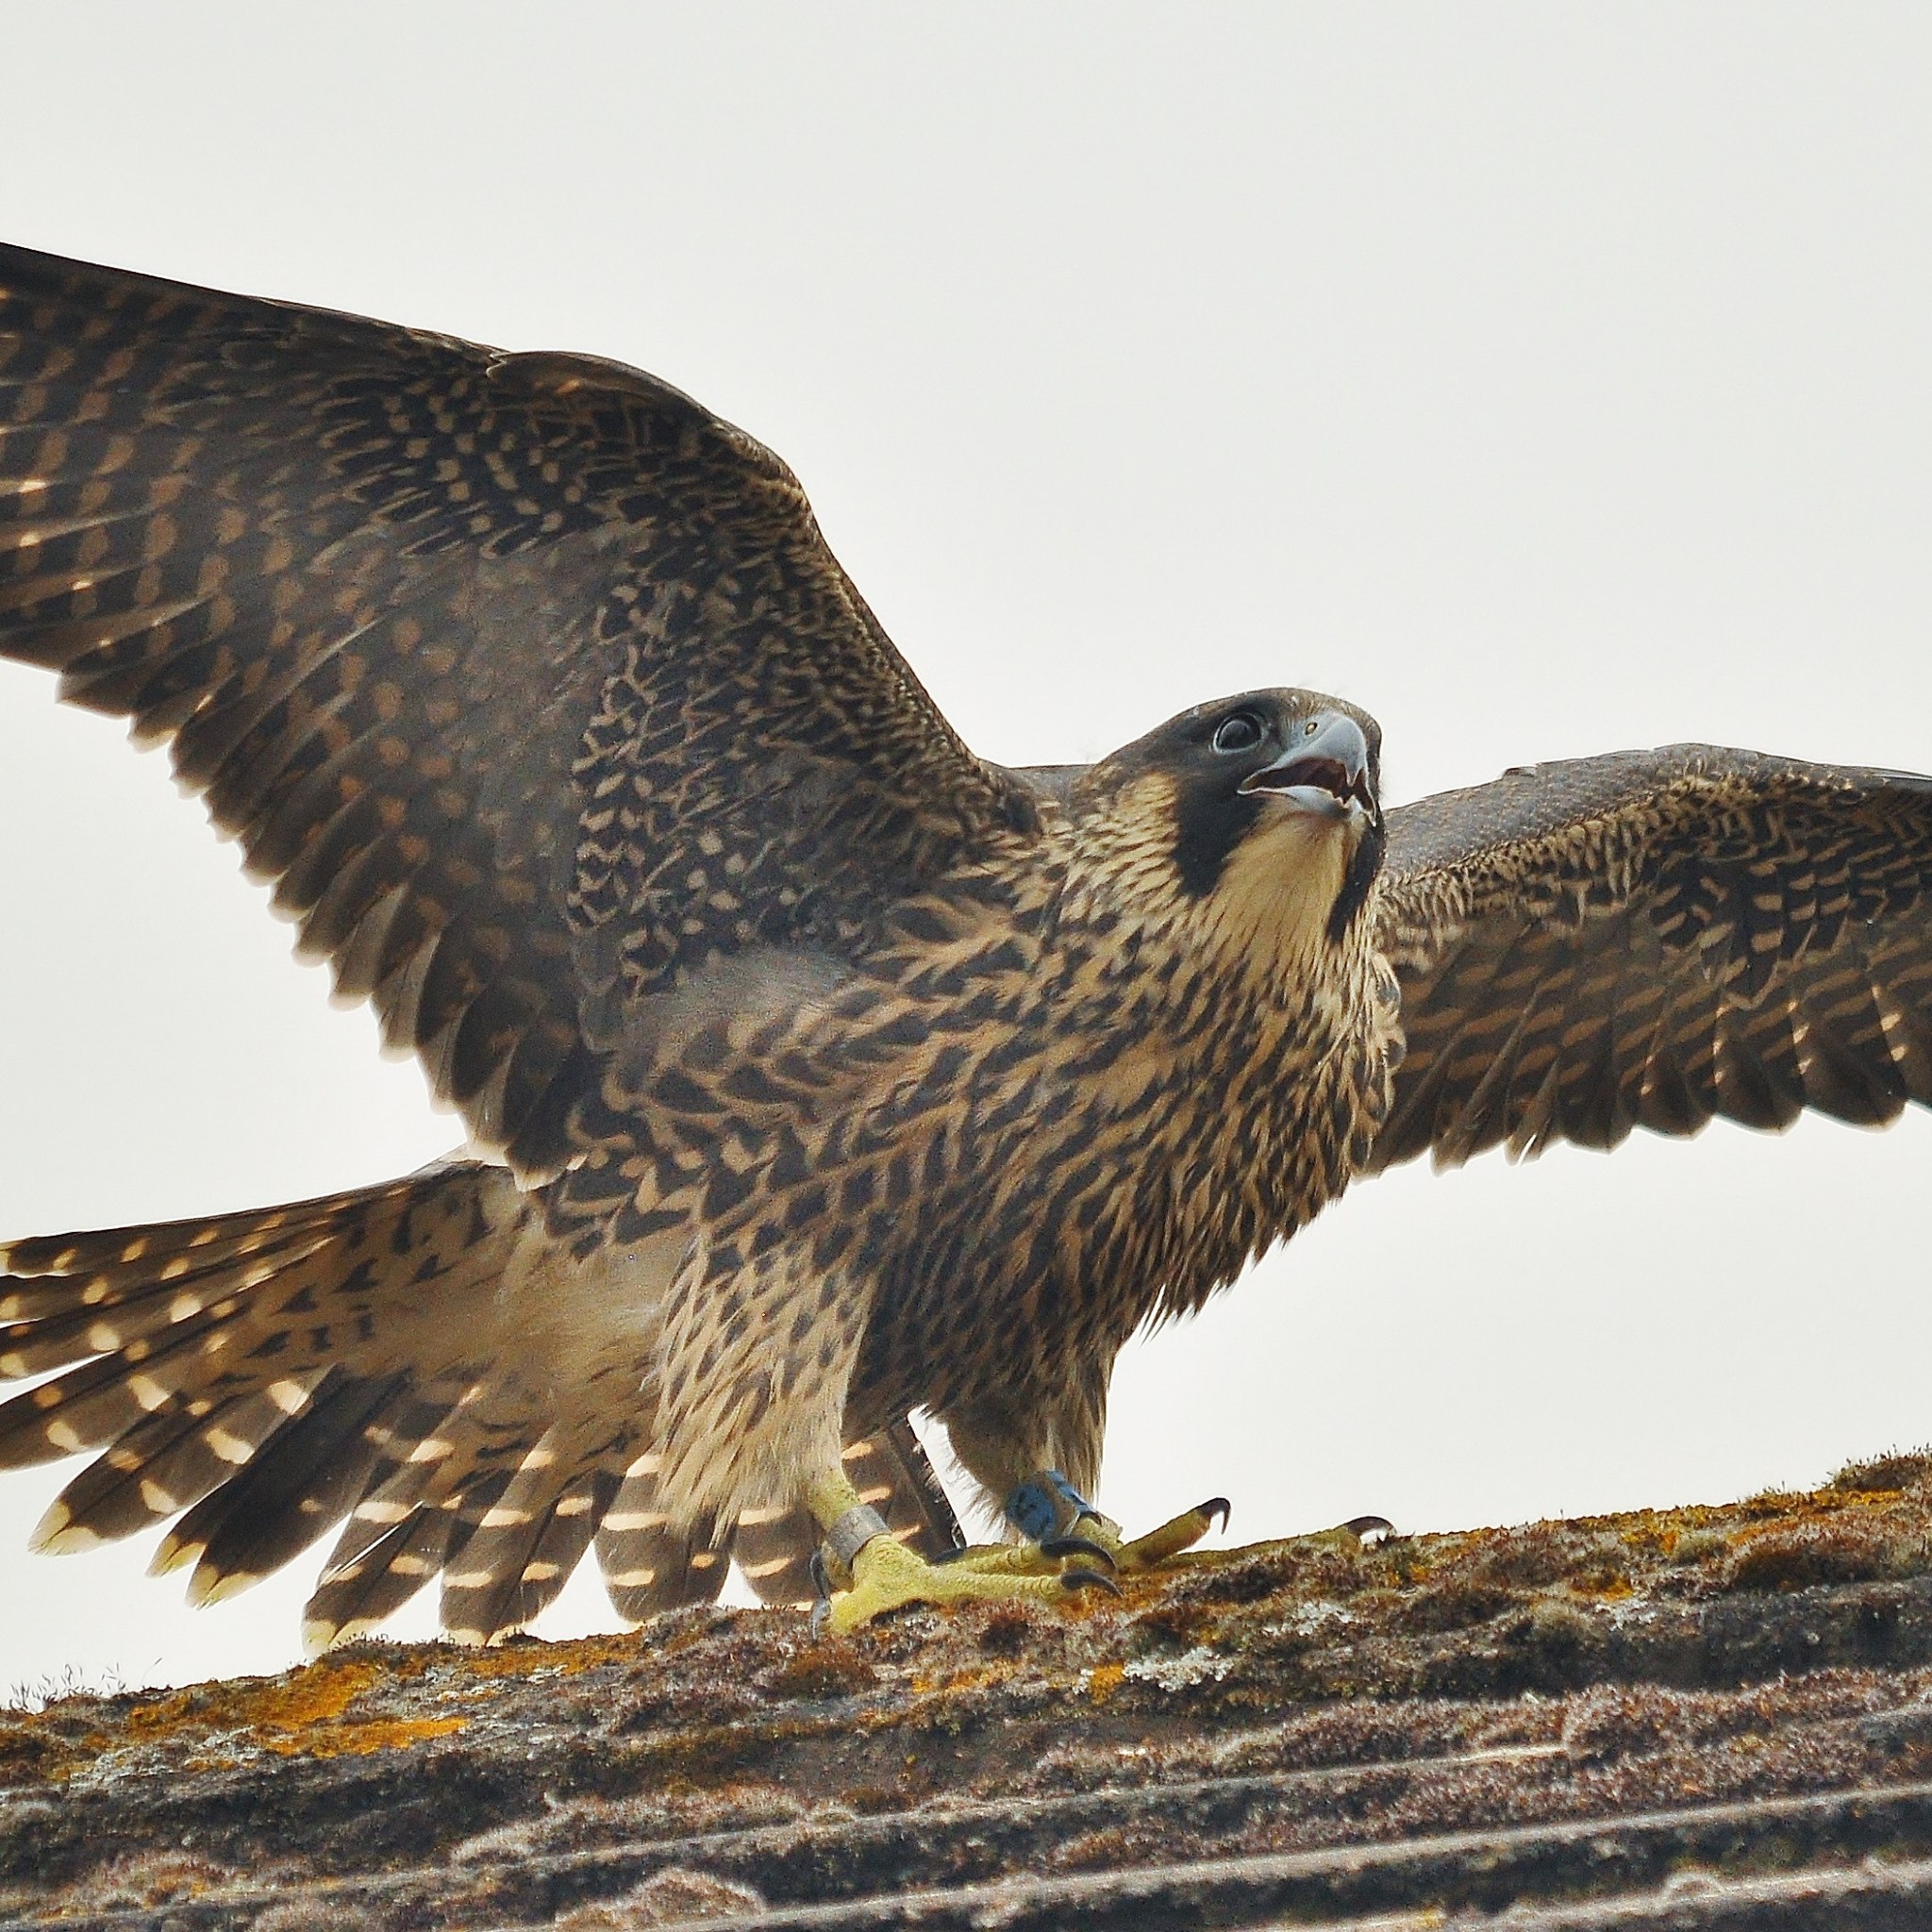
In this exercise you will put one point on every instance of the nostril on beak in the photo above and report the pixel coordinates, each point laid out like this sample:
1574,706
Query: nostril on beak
1332,761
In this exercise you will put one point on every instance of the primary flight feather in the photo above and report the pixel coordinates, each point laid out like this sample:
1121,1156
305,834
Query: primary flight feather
816,1070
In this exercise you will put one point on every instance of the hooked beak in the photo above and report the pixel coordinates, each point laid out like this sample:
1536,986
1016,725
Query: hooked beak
1327,773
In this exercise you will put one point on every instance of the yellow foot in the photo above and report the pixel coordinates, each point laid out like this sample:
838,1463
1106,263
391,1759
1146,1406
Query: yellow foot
1063,1525
872,1572
885,1576
1093,1541
1184,1531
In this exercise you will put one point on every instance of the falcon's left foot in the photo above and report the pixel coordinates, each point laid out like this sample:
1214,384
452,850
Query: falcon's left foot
1064,1532
1059,1521
1063,1528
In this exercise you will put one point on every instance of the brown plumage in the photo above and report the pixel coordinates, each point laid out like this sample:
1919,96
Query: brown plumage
1652,939
822,1072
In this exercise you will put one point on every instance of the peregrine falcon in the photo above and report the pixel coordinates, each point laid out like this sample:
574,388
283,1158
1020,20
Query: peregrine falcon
816,1070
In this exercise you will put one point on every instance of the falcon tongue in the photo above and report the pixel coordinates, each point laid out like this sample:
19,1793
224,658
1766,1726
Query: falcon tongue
1327,772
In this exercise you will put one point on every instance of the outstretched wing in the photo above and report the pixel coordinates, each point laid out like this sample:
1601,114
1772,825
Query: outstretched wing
1654,938
526,679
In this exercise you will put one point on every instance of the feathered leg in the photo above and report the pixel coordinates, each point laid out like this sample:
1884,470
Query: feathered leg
758,1358
777,1547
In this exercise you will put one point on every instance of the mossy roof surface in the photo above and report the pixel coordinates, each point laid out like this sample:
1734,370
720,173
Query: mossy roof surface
1667,1713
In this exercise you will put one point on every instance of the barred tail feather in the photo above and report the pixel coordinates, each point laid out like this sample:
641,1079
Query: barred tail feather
305,1477
397,1357
470,1485
258,1371
104,1267
649,1563
916,1507
355,1596
66,1327
168,1461
523,1549
102,1399
391,1548
568,1535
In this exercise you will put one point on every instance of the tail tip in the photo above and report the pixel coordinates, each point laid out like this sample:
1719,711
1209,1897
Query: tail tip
209,1586
319,1634
174,1552
56,1534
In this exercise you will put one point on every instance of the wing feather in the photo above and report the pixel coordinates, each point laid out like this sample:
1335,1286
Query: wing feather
530,682
1657,938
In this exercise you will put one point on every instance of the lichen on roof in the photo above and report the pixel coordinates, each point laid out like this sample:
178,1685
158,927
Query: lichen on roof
1457,1721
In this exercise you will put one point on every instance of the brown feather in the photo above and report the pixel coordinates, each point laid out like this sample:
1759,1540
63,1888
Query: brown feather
413,609
1677,935
838,1074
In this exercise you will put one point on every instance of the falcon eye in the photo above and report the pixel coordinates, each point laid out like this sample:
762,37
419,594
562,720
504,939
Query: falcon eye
1240,731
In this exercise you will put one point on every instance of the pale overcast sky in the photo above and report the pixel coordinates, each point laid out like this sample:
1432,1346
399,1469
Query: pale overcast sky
1547,380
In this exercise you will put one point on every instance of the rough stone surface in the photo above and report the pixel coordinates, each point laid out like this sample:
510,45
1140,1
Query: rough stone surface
1706,1718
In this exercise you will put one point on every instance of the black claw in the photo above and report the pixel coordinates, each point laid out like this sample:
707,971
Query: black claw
1078,1546
1370,1525
1089,1579
1215,1506
820,1581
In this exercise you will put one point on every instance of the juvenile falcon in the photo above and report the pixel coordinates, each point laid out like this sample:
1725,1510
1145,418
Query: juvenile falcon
822,1070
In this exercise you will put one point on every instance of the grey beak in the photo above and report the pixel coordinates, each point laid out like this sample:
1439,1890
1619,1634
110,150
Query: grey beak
1326,771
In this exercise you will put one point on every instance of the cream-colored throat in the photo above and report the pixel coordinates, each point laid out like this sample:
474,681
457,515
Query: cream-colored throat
1270,909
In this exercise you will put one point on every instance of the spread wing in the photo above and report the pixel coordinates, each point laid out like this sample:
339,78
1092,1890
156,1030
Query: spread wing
530,683
1651,939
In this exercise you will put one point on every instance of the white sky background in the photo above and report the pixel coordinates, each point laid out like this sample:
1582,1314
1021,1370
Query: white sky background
1547,380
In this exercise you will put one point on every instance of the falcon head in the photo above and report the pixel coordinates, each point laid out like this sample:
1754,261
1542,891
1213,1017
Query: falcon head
1267,811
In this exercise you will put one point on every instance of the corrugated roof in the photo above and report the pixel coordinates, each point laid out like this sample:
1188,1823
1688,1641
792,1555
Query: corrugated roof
1712,1718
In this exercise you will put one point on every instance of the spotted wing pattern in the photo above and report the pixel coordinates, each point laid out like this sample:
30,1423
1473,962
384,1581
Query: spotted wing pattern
526,679
1652,939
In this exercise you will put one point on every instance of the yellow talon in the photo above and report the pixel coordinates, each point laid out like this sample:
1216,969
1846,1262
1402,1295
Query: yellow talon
1094,1541
1061,1523
1176,1534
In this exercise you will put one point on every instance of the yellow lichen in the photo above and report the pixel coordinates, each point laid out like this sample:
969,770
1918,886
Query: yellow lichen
1103,1680
310,1698
523,1659
358,1741
300,1716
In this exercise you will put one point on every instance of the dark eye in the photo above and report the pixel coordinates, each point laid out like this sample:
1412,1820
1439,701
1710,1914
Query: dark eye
1239,731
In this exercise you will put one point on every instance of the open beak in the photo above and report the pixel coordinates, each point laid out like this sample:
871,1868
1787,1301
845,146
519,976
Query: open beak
1327,773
